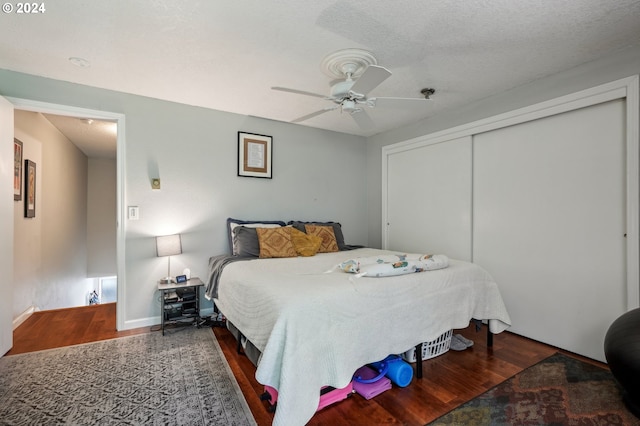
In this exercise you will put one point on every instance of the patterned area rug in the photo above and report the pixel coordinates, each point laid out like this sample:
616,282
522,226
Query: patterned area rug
559,390
178,379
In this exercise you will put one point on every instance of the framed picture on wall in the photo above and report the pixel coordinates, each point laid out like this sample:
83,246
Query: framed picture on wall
254,155
17,170
29,188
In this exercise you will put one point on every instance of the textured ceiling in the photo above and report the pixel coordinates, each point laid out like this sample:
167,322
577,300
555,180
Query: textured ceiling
227,55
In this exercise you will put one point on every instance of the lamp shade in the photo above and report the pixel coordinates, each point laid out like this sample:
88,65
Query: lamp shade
168,245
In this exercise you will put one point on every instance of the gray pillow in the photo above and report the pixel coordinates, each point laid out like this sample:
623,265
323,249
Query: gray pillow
231,222
245,242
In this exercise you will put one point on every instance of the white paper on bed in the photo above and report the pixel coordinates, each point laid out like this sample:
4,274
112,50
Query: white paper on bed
316,329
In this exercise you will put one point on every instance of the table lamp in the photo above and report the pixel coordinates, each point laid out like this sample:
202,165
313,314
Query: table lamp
168,245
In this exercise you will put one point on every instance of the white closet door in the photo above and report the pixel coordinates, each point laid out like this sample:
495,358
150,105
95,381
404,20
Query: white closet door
429,199
549,223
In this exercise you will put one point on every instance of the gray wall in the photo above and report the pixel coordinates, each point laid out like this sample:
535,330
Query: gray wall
101,214
618,65
317,175
50,250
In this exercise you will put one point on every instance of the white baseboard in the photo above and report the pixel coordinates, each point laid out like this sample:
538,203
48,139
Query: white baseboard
151,321
142,322
23,316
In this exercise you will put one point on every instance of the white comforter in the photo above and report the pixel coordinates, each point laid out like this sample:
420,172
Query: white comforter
316,328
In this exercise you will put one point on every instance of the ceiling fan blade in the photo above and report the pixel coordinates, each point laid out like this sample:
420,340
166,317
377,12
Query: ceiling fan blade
398,102
299,92
370,79
314,114
363,120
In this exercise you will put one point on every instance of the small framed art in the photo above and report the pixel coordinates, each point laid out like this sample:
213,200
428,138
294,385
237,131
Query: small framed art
29,188
254,155
17,170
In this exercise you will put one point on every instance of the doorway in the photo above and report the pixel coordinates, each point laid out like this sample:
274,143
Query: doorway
107,117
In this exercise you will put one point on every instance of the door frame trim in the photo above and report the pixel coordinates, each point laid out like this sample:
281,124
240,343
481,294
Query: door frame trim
119,118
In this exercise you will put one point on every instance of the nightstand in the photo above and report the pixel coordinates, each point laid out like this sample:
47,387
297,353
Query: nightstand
180,303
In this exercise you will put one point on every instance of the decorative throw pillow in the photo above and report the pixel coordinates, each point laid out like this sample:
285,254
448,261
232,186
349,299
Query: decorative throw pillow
305,245
329,243
337,230
275,242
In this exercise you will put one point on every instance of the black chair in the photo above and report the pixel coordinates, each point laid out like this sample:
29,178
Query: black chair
622,351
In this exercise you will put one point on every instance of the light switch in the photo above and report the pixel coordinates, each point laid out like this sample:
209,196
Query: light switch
134,213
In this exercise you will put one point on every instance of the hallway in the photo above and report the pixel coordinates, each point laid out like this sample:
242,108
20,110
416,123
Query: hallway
70,326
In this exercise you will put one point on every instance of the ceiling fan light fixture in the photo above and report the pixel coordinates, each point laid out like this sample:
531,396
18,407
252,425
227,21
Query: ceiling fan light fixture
356,74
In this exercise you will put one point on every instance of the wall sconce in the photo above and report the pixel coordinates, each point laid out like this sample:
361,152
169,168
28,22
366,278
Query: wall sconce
155,183
168,245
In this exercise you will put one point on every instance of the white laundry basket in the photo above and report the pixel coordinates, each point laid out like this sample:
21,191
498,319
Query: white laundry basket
431,349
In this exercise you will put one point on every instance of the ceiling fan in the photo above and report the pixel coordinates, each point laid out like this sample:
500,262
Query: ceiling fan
356,74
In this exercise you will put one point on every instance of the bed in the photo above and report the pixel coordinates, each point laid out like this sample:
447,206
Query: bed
314,324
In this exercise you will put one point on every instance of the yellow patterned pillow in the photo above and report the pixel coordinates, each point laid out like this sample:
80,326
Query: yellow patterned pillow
329,243
275,242
305,245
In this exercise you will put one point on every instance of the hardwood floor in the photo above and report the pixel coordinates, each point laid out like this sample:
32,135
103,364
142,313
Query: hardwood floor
65,327
448,381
